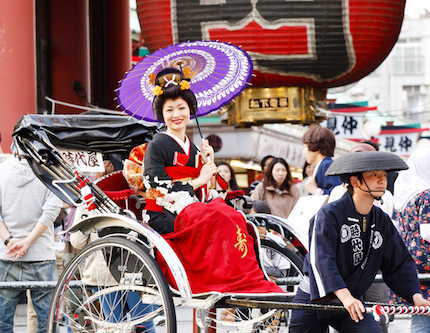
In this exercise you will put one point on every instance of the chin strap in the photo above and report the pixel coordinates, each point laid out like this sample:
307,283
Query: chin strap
370,192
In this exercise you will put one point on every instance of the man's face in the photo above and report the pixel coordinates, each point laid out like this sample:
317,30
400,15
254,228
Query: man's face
375,180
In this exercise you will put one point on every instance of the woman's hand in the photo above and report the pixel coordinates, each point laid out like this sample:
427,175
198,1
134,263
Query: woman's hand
207,150
206,173
354,306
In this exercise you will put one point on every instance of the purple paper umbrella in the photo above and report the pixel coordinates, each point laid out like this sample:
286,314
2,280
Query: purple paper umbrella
220,72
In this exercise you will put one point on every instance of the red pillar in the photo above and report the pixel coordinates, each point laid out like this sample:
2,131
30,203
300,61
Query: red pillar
118,46
17,64
70,52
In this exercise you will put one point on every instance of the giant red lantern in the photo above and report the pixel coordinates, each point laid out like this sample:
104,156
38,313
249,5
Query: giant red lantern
318,43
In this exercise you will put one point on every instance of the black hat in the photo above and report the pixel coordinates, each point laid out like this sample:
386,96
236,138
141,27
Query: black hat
362,161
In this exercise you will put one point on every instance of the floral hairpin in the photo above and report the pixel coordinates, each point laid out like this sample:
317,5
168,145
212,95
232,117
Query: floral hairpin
188,72
185,85
152,77
158,91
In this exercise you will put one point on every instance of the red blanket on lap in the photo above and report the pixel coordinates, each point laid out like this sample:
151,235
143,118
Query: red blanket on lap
213,244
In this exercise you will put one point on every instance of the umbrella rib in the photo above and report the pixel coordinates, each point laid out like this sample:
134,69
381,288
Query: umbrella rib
125,91
214,97
146,111
137,109
121,102
125,88
126,82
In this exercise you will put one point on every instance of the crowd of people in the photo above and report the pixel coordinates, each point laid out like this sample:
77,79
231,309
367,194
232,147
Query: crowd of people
351,238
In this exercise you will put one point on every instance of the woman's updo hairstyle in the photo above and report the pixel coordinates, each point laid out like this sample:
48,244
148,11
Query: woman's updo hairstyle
171,83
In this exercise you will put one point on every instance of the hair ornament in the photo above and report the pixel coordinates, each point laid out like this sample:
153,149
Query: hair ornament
158,91
188,72
170,81
166,80
152,77
185,85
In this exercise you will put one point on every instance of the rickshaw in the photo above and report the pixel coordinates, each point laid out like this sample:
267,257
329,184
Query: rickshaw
130,248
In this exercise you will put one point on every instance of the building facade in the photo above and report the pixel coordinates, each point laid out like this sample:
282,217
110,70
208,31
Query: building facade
71,51
400,86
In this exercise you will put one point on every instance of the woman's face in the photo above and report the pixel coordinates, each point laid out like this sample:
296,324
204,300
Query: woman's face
279,173
176,114
224,172
310,170
311,156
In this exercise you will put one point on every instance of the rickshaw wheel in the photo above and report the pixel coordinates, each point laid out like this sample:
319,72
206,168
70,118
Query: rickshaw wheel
285,268
127,291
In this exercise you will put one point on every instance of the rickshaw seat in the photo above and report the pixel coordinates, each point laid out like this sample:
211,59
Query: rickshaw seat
119,195
114,181
116,187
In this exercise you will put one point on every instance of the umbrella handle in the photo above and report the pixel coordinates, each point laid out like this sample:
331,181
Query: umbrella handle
201,136
207,156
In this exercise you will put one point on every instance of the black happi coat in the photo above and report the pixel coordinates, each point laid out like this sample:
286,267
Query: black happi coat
343,256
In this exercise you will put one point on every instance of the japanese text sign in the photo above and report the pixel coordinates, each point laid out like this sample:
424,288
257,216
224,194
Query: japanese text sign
83,160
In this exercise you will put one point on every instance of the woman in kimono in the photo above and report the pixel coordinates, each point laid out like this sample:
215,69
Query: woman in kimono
171,155
350,240
210,239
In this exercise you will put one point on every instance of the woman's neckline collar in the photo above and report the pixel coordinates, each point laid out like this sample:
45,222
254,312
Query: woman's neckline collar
184,145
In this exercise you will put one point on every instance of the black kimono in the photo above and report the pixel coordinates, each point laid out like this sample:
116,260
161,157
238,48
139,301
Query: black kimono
166,197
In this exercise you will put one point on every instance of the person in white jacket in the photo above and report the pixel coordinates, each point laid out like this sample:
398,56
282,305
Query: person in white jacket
28,210
3,156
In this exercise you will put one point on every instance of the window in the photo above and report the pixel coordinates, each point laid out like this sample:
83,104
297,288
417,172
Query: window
408,59
415,96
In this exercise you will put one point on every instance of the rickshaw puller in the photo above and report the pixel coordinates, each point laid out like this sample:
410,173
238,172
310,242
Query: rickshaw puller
350,239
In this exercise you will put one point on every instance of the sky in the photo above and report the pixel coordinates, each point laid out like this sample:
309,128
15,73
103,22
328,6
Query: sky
415,7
